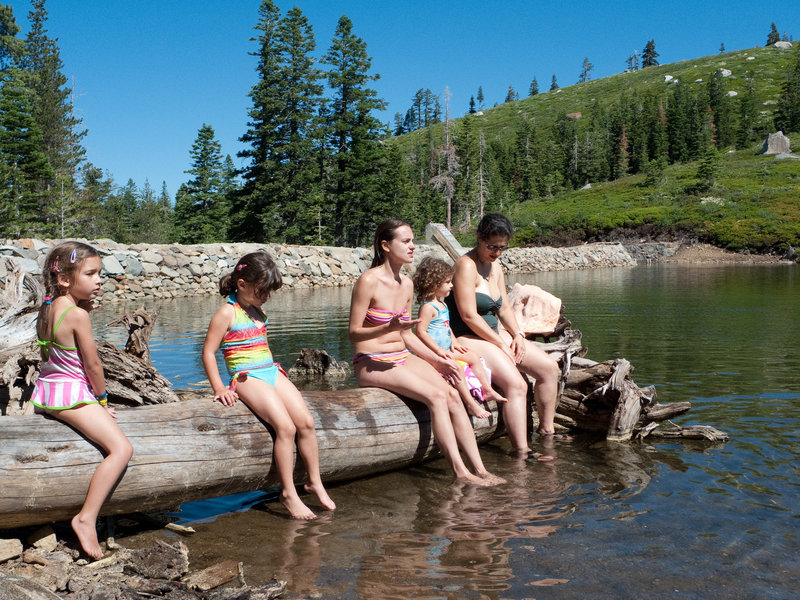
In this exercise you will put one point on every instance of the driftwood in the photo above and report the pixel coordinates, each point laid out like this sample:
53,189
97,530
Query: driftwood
139,325
198,449
195,449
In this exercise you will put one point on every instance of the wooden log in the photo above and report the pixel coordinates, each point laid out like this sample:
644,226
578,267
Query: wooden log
198,449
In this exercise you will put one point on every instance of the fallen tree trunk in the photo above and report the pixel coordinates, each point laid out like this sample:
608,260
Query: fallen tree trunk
198,449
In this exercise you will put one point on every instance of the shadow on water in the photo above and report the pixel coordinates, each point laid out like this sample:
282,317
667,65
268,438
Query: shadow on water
659,519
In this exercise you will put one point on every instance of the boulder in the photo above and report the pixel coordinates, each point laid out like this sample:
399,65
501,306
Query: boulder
13,587
776,143
783,45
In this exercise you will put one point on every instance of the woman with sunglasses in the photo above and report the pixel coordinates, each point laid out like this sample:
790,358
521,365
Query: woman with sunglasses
478,302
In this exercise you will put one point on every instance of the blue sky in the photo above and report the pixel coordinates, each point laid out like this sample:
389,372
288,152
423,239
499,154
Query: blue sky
147,74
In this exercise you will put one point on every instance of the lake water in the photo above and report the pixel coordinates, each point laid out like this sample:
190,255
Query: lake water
658,519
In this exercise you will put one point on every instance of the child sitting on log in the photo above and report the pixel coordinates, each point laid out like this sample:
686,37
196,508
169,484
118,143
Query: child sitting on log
433,282
70,368
239,329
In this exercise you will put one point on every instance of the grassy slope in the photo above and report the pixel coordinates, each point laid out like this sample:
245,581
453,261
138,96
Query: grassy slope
756,200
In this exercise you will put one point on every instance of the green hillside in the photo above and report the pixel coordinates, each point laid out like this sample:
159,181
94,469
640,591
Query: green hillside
730,196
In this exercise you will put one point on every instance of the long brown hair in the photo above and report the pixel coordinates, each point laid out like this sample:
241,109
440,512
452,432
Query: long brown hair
65,259
258,269
384,233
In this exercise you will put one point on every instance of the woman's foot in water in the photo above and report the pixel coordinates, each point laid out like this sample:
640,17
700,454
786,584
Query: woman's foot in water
295,506
320,492
87,537
491,478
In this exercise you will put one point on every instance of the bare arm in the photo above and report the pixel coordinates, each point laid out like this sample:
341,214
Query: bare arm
509,321
220,323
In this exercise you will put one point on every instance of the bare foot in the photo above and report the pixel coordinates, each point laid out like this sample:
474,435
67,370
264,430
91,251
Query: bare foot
520,452
491,478
490,394
296,508
474,480
87,536
476,410
319,492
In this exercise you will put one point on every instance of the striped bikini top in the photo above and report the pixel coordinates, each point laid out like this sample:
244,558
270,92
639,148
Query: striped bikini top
380,316
60,361
245,346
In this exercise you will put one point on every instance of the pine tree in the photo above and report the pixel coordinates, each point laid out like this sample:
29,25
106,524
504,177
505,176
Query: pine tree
649,55
202,211
511,95
534,88
479,97
723,114
354,135
586,71
553,84
748,113
787,116
253,200
54,115
95,190
22,162
11,47
773,35
472,109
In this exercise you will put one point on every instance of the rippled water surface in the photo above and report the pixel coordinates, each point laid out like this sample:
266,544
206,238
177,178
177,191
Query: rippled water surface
659,519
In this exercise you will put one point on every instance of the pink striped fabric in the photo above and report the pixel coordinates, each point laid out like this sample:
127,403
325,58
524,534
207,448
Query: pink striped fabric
62,381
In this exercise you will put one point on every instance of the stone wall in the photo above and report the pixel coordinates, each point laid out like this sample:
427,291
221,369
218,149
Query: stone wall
172,271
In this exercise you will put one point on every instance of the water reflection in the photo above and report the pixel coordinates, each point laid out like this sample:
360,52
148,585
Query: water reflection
658,519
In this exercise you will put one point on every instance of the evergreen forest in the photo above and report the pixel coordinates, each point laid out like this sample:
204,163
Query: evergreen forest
655,151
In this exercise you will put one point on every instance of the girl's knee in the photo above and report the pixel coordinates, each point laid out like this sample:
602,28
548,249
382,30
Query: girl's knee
304,424
285,430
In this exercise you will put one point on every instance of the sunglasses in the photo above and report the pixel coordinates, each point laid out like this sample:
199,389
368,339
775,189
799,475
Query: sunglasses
493,248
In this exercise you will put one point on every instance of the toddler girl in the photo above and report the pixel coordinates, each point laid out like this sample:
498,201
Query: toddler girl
71,386
433,282
239,329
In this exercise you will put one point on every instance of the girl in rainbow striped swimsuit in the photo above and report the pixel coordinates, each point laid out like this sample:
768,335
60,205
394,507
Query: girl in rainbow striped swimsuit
239,329
71,386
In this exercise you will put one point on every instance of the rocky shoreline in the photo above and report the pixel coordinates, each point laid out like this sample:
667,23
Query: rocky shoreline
138,271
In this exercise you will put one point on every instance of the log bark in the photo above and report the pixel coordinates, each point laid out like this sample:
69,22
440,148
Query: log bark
198,449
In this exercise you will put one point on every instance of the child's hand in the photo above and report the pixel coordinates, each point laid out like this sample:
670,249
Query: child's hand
226,397
86,305
444,354
111,411
456,347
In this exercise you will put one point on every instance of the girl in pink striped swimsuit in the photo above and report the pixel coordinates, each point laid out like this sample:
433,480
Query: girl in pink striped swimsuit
71,386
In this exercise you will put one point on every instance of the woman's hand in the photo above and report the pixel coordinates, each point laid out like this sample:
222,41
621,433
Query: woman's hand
449,370
396,324
225,396
518,347
111,411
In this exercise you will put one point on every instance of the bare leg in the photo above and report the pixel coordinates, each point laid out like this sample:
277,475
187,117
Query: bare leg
539,365
472,406
515,389
419,381
307,445
96,424
263,400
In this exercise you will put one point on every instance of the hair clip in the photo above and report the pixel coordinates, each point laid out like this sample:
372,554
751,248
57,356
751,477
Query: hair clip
74,256
241,266
54,266
47,299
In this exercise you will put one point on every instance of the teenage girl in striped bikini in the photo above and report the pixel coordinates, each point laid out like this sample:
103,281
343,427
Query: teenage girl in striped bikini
239,329
380,329
71,385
